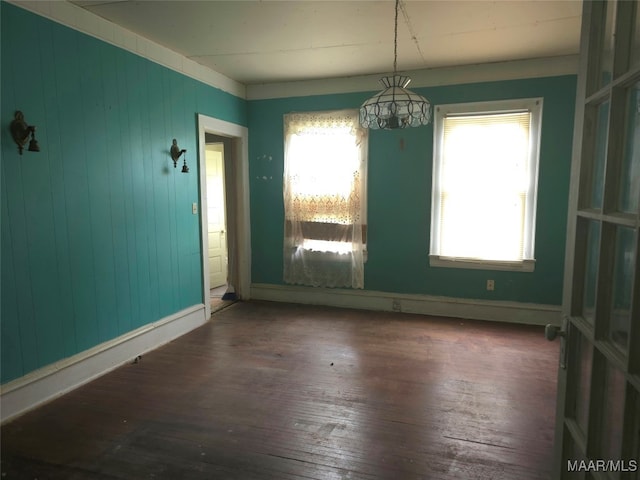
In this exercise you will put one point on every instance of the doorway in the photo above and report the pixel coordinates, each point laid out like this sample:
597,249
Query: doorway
216,220
224,201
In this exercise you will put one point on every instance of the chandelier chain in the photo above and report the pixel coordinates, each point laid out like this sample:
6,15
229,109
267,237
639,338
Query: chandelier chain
395,42
395,106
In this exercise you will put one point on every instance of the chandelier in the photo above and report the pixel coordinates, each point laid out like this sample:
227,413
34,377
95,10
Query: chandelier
395,106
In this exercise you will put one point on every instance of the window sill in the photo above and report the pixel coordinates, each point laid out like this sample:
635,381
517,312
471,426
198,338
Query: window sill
337,256
470,263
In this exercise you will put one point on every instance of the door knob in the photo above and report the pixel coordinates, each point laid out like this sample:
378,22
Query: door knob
551,332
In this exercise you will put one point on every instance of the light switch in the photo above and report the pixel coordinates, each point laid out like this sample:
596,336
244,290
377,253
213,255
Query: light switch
194,208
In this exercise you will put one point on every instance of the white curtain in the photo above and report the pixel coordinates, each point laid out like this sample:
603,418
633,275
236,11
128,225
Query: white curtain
325,199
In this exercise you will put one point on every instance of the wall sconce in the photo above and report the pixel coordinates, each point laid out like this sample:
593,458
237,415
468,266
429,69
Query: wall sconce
175,155
20,132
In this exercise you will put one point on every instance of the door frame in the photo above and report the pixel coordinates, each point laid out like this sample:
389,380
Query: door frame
569,263
240,187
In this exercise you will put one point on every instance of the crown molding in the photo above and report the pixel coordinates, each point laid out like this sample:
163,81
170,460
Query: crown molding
485,72
77,18
82,20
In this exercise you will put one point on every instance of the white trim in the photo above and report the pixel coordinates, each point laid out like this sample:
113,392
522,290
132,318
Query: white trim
501,311
56,379
464,74
80,19
534,106
241,135
469,263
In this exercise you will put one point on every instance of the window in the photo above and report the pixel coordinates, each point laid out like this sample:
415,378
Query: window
324,189
485,173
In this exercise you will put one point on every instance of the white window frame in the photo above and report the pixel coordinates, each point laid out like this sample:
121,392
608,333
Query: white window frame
533,105
342,247
325,199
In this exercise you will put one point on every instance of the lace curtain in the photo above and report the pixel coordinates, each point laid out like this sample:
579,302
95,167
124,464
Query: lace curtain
325,199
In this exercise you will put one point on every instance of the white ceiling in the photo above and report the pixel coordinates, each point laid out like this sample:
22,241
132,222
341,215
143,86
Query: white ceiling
255,42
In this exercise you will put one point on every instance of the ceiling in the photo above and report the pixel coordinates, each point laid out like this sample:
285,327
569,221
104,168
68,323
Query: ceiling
257,42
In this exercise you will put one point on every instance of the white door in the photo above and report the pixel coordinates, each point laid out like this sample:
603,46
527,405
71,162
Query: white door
598,411
216,215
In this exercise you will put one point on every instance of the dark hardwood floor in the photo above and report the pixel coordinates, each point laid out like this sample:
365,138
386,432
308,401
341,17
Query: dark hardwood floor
283,391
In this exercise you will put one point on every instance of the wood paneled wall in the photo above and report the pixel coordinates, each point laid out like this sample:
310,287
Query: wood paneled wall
98,236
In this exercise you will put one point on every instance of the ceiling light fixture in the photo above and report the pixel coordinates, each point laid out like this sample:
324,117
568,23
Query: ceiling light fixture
395,107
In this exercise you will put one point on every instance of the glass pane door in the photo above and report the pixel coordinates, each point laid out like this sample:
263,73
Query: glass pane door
598,424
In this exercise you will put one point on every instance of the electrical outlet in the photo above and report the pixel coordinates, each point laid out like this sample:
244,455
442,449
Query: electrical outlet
395,306
491,286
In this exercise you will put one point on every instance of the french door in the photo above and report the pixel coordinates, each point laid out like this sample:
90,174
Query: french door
598,415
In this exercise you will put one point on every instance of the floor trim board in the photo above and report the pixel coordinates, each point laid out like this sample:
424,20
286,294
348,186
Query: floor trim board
40,386
503,311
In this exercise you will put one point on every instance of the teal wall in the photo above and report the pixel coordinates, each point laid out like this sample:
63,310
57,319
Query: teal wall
400,167
98,237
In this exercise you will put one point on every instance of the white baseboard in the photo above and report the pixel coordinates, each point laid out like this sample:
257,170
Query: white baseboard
47,383
502,311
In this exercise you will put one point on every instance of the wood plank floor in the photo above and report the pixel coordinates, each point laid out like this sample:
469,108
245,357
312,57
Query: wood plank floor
283,391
